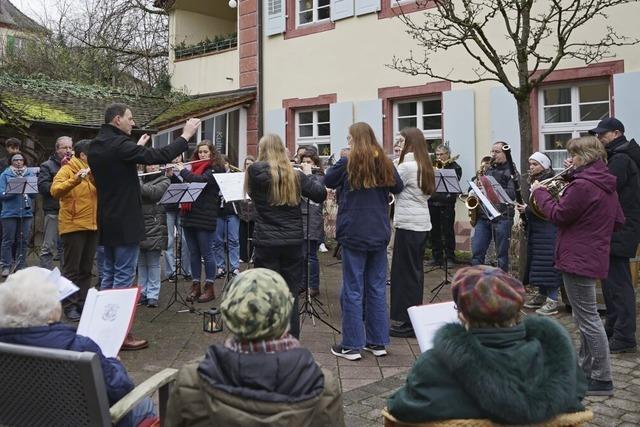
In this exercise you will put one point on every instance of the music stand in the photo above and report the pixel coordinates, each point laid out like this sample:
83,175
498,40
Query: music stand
21,185
180,193
446,183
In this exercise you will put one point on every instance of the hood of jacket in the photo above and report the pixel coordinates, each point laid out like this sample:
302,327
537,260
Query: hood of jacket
55,335
76,163
517,375
622,145
288,376
597,174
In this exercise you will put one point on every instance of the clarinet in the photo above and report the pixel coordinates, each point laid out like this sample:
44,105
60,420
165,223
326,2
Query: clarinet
516,182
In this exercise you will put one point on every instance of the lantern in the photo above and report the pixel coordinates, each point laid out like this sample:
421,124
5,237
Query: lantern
212,321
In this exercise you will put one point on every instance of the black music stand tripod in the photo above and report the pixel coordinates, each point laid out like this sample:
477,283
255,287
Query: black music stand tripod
446,183
308,308
21,186
180,193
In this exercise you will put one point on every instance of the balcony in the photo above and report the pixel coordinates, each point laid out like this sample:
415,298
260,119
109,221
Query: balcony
218,44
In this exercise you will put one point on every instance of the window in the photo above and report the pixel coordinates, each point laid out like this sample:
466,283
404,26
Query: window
222,130
425,114
310,11
567,112
313,127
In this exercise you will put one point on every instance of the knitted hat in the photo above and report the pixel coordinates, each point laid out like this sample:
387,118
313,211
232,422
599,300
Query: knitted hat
257,305
487,294
541,158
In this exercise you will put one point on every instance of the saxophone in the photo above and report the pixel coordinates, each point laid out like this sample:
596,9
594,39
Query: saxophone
471,201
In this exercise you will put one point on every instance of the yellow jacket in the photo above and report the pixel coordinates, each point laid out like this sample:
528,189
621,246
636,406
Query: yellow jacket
78,198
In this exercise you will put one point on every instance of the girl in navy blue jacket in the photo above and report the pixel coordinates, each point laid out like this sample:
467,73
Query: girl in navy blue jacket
364,179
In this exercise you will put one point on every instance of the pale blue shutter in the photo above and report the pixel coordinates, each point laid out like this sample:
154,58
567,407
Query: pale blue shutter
275,122
504,123
341,9
367,6
459,121
341,118
274,14
371,112
626,91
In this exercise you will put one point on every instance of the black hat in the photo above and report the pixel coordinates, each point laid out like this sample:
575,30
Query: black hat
608,124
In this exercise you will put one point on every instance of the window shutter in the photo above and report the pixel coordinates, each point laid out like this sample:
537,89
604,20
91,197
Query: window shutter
504,122
341,118
371,112
367,6
341,9
626,91
458,119
274,17
275,122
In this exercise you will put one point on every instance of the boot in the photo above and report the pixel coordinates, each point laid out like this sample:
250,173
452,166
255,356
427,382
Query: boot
195,292
209,293
131,343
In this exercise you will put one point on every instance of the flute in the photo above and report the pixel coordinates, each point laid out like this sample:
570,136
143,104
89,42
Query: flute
165,167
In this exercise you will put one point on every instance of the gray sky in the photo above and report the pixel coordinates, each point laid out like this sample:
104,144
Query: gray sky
36,9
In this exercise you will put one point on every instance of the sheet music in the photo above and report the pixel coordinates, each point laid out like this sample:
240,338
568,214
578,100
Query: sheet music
427,319
504,197
492,212
107,316
231,185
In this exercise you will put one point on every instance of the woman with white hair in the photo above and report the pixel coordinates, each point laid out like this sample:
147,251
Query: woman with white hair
30,315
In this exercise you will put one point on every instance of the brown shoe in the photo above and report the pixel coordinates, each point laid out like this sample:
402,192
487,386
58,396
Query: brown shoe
132,344
195,292
208,294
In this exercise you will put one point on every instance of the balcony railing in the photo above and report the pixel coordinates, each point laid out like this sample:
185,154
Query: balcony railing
219,43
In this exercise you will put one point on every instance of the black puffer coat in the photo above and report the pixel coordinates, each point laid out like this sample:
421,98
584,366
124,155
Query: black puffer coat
623,160
541,246
48,171
204,211
315,220
155,219
278,225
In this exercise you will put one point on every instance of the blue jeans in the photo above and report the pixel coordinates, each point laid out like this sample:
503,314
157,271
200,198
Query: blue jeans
200,243
173,218
149,273
364,276
549,291
593,355
228,227
119,268
143,410
314,265
15,233
486,230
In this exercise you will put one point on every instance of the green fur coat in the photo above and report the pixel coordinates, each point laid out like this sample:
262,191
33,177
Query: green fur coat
520,375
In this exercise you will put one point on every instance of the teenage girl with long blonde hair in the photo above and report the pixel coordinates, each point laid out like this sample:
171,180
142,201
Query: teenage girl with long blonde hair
276,190
364,179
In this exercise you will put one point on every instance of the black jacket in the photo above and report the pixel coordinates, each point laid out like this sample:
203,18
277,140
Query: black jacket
48,171
204,211
502,175
155,218
113,156
541,246
446,199
278,225
315,218
624,163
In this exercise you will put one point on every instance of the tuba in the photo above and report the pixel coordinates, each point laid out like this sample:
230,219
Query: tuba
439,164
555,186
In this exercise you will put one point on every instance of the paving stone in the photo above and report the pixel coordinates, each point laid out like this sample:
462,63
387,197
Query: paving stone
625,405
603,409
632,417
360,372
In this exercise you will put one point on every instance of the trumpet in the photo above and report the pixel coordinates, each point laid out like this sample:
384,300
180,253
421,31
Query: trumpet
439,164
234,169
555,186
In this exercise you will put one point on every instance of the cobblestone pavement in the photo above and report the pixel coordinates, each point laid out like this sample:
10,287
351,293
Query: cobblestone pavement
177,338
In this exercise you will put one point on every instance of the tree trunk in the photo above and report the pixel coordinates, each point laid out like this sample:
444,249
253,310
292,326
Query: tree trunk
526,140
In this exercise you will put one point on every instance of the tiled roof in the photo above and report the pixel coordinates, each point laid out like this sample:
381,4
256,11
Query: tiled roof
51,101
202,105
12,17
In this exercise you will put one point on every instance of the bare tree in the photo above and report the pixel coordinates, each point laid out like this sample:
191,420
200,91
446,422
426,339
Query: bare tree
120,43
539,35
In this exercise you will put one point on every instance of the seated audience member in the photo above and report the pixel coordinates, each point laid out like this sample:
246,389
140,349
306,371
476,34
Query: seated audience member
260,376
30,315
492,366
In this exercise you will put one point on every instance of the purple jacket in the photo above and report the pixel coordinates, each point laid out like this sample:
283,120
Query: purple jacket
586,215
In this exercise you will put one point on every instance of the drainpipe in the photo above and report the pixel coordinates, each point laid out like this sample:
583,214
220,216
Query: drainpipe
260,91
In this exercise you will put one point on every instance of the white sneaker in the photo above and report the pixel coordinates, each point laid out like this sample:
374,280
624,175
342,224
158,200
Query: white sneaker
549,308
537,301
322,248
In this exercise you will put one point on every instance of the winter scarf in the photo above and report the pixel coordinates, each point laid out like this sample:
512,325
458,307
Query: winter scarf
197,168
